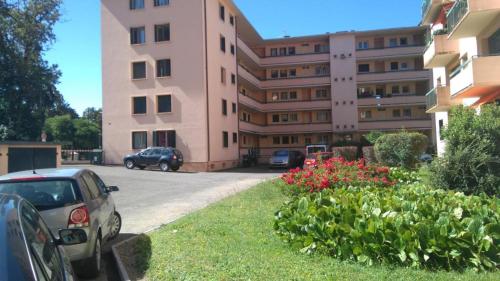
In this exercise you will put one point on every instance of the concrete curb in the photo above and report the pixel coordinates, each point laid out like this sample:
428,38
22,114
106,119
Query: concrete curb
119,264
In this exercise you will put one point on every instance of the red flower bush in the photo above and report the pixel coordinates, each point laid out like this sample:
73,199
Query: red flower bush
336,173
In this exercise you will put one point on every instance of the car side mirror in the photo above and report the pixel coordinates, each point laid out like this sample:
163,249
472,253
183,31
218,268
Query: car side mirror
112,189
69,237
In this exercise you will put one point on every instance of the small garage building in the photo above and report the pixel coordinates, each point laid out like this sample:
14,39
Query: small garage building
22,156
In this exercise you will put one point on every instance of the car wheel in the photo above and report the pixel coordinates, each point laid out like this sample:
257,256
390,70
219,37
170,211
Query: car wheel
93,264
175,169
164,166
130,164
116,225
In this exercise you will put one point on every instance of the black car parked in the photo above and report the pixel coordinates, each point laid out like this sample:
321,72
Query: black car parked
28,250
166,158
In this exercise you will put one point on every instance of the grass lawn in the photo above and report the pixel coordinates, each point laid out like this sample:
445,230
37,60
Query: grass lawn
234,240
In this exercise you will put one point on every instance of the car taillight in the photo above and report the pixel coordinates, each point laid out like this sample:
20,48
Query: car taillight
174,157
79,217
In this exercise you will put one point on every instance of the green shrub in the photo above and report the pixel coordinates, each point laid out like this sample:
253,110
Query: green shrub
403,176
471,162
373,136
401,149
412,226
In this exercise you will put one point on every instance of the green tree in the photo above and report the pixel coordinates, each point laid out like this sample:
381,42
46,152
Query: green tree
3,132
87,134
471,162
94,115
28,93
60,129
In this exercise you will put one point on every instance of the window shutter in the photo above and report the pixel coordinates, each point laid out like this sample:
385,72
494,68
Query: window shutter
155,138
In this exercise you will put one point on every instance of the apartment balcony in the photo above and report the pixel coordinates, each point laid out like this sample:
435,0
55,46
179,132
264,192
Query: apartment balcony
249,77
301,105
389,52
396,124
430,9
394,100
297,59
390,76
440,51
297,82
438,99
475,78
468,18
297,128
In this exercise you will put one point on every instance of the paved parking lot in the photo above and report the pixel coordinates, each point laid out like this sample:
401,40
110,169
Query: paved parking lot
148,199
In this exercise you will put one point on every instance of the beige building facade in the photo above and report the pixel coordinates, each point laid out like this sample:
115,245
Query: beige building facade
463,51
196,75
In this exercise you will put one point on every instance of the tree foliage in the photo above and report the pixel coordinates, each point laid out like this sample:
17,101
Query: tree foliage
471,162
401,149
94,115
60,129
28,93
86,134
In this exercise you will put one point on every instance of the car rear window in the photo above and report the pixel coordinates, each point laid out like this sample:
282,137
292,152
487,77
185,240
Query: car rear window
281,153
44,195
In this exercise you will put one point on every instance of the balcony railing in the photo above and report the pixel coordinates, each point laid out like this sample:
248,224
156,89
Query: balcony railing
456,13
429,36
385,95
392,119
431,98
426,4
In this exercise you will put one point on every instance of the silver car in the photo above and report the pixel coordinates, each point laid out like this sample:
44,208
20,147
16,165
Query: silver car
71,199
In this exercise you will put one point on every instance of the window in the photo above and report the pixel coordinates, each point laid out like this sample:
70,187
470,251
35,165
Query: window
283,51
396,113
225,139
406,89
223,43
322,70
284,96
294,117
223,75
362,45
394,66
137,35
274,74
222,12
231,19
293,95
441,125
244,139
380,90
404,65
94,189
292,72
322,116
317,48
224,107
139,140
233,78
161,3
393,42
366,114
234,107
164,104
274,52
494,43
283,73
308,140
403,41
235,137
284,117
323,139
163,68
294,139
275,96
139,70
291,51
285,140
162,32
139,105
276,140
363,68
233,51
395,89
276,118
321,93
407,112
136,4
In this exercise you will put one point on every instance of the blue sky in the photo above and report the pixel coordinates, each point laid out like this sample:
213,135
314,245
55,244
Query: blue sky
77,49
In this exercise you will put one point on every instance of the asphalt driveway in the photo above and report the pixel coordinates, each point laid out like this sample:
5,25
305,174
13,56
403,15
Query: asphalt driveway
148,199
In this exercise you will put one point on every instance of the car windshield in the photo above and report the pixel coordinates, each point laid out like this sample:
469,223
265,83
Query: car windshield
280,153
44,195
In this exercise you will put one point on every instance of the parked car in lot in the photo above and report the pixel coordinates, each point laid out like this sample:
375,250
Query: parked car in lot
313,159
287,159
28,250
71,199
166,158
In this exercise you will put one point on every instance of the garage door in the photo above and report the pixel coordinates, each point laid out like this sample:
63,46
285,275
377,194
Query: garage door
22,159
